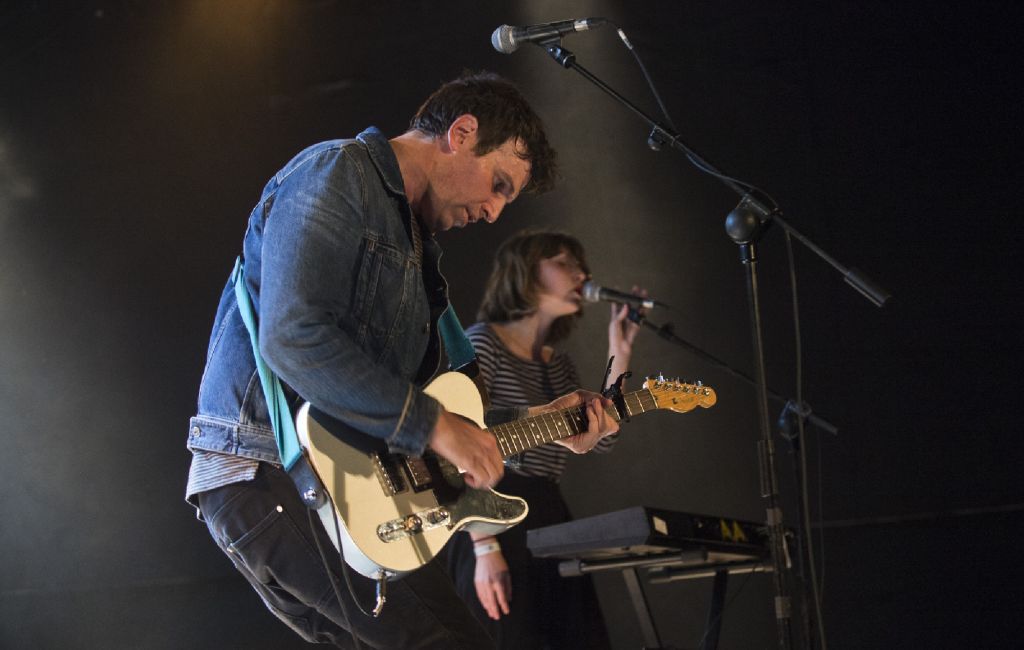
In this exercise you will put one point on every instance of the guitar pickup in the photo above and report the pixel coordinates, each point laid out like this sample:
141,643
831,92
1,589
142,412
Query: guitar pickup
419,473
387,473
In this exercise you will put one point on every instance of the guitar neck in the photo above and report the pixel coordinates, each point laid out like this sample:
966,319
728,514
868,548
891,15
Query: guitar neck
519,435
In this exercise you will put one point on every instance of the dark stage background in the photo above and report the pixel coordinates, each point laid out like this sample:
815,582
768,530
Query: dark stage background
136,136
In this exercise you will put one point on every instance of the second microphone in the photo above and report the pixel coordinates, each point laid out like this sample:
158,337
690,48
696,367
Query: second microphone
596,293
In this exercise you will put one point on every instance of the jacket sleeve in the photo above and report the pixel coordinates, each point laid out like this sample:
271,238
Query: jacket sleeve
310,262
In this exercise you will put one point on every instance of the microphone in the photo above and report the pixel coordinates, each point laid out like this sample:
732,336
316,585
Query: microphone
595,293
507,39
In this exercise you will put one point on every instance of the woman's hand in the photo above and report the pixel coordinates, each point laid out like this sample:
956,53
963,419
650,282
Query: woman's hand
599,422
493,584
621,334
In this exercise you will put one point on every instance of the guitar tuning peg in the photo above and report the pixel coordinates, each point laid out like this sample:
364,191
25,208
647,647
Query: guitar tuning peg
661,377
699,383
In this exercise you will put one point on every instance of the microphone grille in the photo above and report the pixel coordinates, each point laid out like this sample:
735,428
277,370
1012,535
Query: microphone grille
502,40
591,292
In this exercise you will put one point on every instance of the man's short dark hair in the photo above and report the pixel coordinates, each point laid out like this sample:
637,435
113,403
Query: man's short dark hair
503,114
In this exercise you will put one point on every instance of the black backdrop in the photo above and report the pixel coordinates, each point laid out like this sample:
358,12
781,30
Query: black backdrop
135,137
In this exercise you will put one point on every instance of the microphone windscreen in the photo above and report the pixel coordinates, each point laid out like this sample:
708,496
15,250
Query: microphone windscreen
591,292
502,40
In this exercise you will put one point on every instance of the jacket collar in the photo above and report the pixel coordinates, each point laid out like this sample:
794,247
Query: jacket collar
383,157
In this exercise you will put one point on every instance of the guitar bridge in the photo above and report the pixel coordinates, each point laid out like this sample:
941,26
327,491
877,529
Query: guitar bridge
404,527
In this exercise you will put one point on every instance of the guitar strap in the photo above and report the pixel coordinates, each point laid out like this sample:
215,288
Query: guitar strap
281,420
461,357
460,352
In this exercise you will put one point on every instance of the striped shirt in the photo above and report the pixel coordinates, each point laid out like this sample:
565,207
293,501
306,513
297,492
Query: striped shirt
512,381
211,470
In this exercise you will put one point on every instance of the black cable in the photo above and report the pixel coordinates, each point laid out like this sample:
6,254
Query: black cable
333,578
643,69
821,529
808,536
750,187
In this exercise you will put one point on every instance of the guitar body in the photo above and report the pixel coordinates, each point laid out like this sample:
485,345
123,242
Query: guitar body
395,513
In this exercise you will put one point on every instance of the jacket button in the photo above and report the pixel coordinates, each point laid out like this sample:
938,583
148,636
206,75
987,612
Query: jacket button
196,432
426,327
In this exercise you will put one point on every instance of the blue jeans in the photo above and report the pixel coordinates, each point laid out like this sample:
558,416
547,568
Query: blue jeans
263,527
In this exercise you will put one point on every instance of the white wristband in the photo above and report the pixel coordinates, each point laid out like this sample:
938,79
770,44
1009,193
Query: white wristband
485,549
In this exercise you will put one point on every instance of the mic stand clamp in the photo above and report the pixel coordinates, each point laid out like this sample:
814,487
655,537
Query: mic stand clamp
564,57
787,421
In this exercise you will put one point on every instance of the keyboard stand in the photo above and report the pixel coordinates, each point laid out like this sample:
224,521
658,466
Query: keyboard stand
662,568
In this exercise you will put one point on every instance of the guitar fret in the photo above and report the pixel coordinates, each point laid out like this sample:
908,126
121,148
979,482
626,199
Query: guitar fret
630,408
563,421
521,436
569,422
509,441
517,430
537,429
502,446
575,423
550,419
558,422
534,433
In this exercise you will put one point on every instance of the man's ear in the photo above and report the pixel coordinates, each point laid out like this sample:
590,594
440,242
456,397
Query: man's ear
462,129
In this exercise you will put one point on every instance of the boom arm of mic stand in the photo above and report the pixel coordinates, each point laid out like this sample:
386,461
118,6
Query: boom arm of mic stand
666,332
662,135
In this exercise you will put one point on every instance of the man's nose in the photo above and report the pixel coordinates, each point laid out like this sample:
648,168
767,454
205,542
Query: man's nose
492,210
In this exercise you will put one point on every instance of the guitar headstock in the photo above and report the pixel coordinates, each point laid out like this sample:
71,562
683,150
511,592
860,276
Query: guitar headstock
678,396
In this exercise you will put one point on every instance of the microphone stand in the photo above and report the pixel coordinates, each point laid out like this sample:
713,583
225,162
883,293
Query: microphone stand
745,225
790,420
789,409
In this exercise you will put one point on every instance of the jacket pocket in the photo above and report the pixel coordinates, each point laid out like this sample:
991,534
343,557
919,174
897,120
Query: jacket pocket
382,295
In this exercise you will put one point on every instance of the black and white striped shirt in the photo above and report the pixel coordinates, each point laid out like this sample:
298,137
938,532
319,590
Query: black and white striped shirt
511,381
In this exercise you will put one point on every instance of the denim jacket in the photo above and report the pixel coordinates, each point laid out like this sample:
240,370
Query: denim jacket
347,318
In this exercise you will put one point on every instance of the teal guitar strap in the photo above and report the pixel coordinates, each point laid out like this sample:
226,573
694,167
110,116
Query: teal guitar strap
277,405
456,343
457,346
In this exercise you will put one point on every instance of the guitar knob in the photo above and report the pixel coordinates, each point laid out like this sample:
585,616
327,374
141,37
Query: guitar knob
413,524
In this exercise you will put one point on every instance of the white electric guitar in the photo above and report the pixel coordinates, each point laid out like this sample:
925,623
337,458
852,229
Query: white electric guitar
395,513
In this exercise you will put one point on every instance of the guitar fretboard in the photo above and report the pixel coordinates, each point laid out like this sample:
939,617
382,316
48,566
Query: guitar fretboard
519,435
